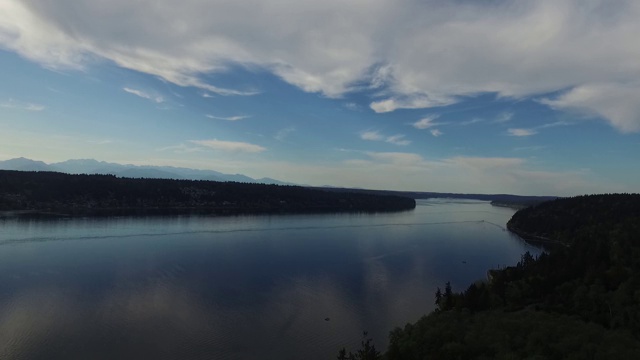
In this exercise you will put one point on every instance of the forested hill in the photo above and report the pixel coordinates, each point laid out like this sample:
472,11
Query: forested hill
106,194
566,220
578,301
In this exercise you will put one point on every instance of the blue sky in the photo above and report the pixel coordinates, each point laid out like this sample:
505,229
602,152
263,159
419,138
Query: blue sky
486,97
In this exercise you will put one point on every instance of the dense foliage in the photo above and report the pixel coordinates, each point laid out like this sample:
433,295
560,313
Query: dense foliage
581,300
107,194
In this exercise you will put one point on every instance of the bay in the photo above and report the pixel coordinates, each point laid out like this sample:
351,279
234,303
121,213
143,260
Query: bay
241,287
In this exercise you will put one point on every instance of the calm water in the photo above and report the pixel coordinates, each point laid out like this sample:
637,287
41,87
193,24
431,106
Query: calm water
246,287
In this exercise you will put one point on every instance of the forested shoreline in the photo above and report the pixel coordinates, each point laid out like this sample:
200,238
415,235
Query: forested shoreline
95,195
577,301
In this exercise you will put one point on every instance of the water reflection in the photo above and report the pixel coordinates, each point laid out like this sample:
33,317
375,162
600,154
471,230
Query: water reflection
234,288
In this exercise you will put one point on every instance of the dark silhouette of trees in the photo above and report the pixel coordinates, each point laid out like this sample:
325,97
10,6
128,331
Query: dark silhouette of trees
579,300
109,195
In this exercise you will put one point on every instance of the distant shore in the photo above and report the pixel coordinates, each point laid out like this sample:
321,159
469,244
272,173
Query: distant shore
51,194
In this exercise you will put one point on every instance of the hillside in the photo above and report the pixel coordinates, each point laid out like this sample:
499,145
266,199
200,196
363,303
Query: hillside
53,192
578,301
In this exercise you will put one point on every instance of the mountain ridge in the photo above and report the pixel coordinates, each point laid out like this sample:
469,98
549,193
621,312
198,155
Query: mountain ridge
93,166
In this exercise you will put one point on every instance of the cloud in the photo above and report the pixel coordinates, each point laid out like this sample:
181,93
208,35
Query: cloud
503,117
534,130
472,121
155,98
420,54
371,136
12,104
181,149
521,132
412,102
230,146
352,106
436,132
398,158
619,104
426,122
284,133
398,139
228,118
486,163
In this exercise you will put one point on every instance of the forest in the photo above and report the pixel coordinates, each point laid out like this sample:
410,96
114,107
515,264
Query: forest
63,194
579,300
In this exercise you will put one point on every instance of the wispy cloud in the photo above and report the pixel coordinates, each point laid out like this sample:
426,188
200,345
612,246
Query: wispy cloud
420,101
436,132
13,104
472,121
530,148
521,132
155,98
371,136
504,117
400,158
352,106
486,163
426,122
230,146
284,133
397,139
619,104
181,149
534,130
228,118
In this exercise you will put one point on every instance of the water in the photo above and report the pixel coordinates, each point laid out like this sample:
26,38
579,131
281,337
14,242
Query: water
245,287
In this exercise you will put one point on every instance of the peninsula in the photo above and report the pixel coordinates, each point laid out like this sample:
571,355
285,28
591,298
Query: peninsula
56,193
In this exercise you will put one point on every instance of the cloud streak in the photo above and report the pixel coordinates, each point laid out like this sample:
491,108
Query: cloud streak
228,118
397,139
521,132
155,98
426,122
12,104
229,146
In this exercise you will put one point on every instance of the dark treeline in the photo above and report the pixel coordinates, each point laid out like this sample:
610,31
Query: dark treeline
108,195
496,199
581,300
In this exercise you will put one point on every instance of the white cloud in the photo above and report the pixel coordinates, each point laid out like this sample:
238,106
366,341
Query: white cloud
284,133
424,53
436,132
352,106
472,121
504,117
397,139
421,101
12,104
619,104
155,98
181,149
398,158
521,132
486,163
426,122
371,136
228,118
231,146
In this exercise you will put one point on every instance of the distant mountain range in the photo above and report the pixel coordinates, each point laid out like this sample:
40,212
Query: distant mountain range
91,166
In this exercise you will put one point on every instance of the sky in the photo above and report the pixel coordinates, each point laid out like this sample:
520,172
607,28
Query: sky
524,97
